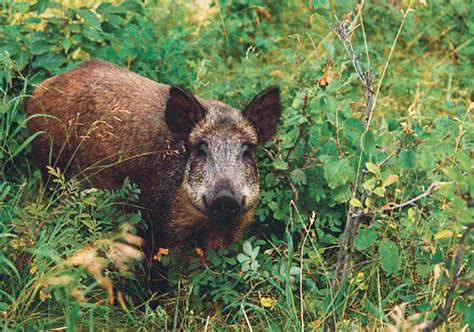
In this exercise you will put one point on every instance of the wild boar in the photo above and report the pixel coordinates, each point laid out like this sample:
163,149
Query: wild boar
193,159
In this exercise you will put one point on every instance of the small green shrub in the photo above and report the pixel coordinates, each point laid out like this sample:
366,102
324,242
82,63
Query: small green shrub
323,167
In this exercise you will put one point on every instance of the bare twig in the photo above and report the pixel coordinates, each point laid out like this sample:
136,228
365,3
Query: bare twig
369,97
246,318
452,285
433,186
307,231
363,214
386,160
344,32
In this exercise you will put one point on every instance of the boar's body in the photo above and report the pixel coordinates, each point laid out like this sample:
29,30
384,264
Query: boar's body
105,124
193,159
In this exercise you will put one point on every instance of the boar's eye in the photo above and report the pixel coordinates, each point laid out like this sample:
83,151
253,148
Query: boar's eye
248,152
202,150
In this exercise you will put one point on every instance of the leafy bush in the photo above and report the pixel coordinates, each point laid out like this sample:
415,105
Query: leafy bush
363,222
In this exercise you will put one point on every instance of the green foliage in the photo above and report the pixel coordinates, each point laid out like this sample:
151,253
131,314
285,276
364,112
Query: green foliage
58,267
389,256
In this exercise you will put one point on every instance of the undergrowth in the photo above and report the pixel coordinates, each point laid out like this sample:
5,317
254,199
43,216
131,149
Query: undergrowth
365,219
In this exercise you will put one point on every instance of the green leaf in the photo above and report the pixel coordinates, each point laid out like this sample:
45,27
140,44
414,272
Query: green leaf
41,6
321,4
132,6
40,47
32,20
248,248
437,257
368,142
50,61
355,202
365,238
371,167
392,178
242,258
107,8
466,308
255,252
342,194
66,44
464,161
280,164
389,256
254,266
407,159
337,173
369,184
90,18
92,34
426,160
298,176
368,202
393,124
444,233
294,271
330,102
379,191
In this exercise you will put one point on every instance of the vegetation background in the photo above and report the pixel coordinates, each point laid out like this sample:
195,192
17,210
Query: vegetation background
366,216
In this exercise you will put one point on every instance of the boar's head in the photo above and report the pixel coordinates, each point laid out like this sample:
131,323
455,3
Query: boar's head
221,174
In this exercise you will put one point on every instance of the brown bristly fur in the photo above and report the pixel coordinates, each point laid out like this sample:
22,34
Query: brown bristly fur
104,123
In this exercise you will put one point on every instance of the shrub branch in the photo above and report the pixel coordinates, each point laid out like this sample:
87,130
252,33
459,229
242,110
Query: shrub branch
452,285
344,32
433,186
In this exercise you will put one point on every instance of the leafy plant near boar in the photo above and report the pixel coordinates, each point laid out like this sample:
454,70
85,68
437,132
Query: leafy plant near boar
365,216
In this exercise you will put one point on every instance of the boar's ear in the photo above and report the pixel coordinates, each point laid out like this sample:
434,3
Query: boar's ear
182,112
264,113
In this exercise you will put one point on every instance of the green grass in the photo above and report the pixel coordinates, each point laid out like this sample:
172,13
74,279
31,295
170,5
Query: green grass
68,252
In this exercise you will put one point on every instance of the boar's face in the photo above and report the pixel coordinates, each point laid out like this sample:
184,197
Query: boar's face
221,175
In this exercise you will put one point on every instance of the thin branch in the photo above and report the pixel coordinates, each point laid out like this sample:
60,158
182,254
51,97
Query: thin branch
246,318
362,214
433,186
386,160
344,32
307,230
369,97
452,285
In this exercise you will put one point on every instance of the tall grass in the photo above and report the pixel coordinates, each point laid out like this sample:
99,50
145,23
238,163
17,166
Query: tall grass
70,258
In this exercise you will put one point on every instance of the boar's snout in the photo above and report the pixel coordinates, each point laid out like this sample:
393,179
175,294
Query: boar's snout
224,207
